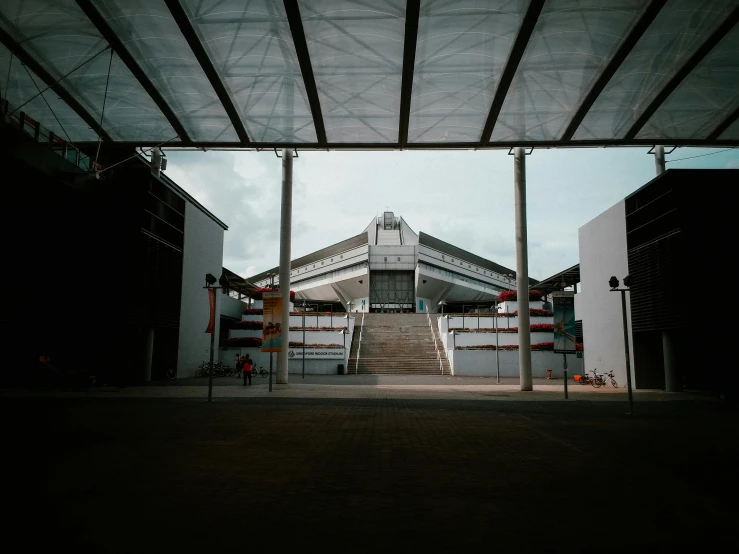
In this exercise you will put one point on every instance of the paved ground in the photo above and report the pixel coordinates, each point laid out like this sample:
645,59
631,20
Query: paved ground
415,466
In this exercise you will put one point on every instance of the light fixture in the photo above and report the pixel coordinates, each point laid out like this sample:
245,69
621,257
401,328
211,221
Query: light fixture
210,280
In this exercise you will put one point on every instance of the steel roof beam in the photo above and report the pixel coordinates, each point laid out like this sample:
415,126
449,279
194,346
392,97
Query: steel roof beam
117,44
623,51
25,58
684,71
412,10
725,124
306,68
514,58
196,45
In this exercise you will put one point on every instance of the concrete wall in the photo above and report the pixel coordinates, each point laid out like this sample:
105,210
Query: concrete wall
231,307
603,254
481,363
202,253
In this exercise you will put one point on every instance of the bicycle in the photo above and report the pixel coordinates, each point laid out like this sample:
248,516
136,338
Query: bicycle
601,380
261,371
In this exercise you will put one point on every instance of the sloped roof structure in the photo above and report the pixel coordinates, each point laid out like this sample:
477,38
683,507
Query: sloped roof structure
380,74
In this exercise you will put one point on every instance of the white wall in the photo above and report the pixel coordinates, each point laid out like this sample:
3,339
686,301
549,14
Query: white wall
231,307
481,363
202,253
603,254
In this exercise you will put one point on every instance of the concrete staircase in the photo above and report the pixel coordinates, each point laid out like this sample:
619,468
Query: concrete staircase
396,344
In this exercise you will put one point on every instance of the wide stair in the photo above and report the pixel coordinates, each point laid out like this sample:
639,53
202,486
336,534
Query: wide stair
397,344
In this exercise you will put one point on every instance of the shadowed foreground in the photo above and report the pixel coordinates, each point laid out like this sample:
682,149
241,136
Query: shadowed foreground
124,475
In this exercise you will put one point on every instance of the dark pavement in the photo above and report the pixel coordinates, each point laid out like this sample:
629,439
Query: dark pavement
368,474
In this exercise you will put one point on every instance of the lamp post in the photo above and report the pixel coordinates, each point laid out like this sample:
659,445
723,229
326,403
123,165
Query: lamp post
303,339
442,304
210,283
613,283
344,356
497,357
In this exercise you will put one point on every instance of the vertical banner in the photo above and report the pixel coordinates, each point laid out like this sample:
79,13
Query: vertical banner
272,330
564,322
212,301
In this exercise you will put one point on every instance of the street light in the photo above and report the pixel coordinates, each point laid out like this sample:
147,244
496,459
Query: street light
303,339
442,304
497,357
613,283
210,283
343,334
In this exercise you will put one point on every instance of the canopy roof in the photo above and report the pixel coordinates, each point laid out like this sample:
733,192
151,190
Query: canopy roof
375,74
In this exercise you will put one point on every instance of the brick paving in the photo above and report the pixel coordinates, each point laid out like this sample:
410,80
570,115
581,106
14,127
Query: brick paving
373,467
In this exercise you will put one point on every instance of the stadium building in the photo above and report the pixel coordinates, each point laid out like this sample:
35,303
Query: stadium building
389,267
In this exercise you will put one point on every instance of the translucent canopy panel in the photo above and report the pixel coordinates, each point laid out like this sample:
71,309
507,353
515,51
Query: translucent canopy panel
672,38
47,109
704,99
461,51
732,133
59,36
572,43
252,49
356,50
151,35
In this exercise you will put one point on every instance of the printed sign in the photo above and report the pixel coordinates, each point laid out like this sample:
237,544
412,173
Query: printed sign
563,304
272,330
316,354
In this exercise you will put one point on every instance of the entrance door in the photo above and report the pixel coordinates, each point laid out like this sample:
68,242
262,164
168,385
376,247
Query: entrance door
392,291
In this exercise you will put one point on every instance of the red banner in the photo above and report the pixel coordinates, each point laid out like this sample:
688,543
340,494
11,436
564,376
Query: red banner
212,301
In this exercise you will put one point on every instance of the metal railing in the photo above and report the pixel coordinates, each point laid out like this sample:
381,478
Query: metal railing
359,346
433,337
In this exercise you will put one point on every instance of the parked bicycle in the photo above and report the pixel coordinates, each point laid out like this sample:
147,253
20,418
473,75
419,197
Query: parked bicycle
219,370
601,380
261,371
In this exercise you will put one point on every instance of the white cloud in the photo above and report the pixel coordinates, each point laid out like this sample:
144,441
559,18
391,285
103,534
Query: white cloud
462,197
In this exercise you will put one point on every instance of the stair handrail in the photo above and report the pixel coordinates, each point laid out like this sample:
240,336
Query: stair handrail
359,346
433,337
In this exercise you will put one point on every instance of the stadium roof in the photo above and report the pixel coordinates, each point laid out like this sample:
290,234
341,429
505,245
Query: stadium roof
342,74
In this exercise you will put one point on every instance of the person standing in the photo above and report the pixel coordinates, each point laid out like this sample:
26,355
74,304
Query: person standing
247,369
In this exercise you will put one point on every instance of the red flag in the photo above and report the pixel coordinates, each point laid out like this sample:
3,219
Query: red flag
212,321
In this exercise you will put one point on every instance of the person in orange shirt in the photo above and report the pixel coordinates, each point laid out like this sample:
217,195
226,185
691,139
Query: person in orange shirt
247,369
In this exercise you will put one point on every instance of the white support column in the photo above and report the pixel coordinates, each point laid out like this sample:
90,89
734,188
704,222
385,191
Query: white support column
659,159
522,271
285,235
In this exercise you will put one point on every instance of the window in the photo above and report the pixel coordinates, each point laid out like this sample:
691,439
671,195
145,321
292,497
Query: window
385,258
398,258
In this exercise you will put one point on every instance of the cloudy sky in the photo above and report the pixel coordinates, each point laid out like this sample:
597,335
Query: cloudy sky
462,197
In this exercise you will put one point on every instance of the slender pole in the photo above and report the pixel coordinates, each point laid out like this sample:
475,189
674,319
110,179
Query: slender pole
497,357
565,368
285,233
522,271
210,369
659,159
626,349
303,341
270,372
